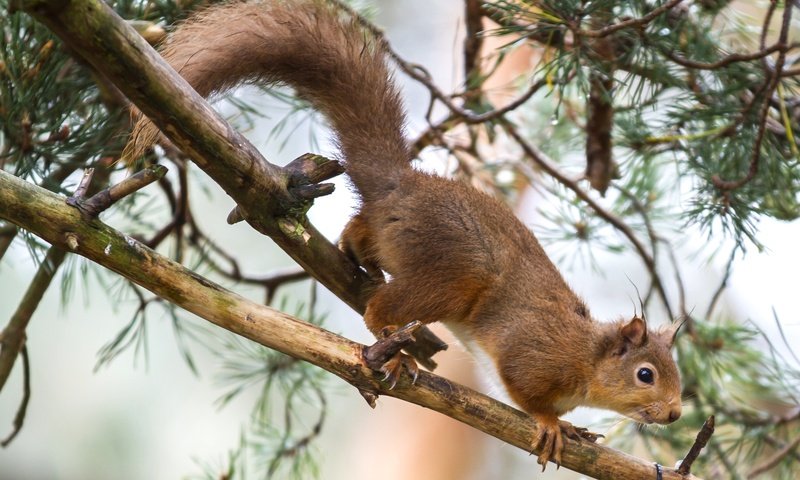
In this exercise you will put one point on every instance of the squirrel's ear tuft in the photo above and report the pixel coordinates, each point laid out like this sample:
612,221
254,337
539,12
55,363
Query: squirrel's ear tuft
672,331
634,332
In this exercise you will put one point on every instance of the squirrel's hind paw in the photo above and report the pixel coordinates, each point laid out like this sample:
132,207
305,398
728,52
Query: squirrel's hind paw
393,368
385,355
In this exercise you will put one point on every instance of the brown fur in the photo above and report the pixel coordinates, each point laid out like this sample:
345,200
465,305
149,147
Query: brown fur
307,45
454,254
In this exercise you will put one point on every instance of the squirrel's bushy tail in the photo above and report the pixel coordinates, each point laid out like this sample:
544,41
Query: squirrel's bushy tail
308,45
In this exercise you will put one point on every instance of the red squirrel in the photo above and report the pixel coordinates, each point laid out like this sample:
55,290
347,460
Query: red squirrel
455,255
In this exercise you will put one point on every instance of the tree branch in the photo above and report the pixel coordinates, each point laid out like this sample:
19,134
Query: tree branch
722,62
100,201
12,338
473,41
700,442
773,79
600,165
48,216
19,418
632,22
774,459
7,236
419,74
94,31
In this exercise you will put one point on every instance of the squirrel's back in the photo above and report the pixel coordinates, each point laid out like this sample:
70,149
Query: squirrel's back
310,46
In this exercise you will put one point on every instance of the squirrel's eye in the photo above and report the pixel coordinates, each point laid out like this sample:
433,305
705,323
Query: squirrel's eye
645,375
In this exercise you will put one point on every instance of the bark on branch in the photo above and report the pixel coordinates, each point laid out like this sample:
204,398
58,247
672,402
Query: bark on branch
48,216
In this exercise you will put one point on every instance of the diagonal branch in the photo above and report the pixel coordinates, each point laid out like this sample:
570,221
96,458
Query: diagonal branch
48,216
632,22
22,410
702,439
103,199
12,338
95,32
7,236
775,458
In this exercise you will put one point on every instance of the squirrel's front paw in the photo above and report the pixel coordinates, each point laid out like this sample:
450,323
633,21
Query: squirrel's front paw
578,433
548,440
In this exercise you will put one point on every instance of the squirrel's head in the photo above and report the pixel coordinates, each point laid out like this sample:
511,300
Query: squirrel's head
637,375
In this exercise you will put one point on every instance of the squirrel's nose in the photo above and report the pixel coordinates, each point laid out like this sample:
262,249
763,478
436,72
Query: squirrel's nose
674,414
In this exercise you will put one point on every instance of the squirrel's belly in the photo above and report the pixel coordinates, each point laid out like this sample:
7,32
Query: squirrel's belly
488,369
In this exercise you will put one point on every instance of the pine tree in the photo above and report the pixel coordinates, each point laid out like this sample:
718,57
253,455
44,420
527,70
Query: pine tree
648,106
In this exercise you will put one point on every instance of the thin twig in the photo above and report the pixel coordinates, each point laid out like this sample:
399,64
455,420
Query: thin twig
723,283
83,186
100,201
548,37
278,278
434,133
775,459
547,165
460,117
270,282
7,237
421,75
778,444
753,420
471,118
291,450
702,439
179,206
774,77
654,241
19,418
12,338
633,22
684,312
724,61
765,26
772,83
790,72
653,238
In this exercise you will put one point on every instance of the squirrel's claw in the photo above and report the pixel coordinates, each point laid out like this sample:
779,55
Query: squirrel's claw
385,355
578,433
548,440
393,368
